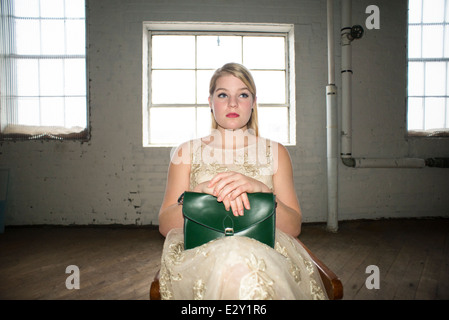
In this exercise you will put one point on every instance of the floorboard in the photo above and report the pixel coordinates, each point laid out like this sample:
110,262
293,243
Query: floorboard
119,262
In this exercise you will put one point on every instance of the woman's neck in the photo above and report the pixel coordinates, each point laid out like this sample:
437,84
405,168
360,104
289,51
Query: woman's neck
231,139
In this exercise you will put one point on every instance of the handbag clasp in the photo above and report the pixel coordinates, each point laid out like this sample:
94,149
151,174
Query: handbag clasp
229,232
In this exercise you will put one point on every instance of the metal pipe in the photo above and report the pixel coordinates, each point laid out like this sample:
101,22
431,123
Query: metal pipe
346,101
346,79
330,43
389,163
331,127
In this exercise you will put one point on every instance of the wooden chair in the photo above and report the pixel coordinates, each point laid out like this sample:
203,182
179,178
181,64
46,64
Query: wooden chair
332,283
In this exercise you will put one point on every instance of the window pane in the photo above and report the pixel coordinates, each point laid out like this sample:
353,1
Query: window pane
173,86
26,8
215,51
433,11
435,78
273,123
264,52
415,114
52,37
270,86
447,114
52,8
75,9
27,37
75,30
75,73
75,112
172,125
51,77
28,111
414,13
447,79
52,111
434,113
203,79
432,46
27,77
416,78
414,42
173,52
446,41
203,116
447,13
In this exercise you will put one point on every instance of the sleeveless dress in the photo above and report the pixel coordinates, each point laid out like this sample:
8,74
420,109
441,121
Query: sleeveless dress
237,268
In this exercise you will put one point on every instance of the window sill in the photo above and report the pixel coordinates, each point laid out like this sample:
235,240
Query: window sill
23,133
429,133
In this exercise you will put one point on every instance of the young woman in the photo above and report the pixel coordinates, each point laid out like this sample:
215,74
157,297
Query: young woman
230,163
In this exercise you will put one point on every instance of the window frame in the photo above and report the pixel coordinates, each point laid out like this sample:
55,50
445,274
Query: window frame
43,132
204,28
436,132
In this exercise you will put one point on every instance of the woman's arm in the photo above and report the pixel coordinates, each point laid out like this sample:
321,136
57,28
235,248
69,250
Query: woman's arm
288,211
178,181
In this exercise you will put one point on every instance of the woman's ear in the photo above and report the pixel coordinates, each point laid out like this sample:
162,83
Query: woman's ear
210,103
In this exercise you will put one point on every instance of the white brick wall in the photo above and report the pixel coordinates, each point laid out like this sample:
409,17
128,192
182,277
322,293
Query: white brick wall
113,179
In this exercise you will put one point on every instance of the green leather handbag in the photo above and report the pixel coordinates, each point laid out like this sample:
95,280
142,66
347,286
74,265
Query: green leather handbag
206,219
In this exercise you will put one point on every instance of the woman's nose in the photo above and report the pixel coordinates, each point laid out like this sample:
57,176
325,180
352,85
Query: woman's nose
233,101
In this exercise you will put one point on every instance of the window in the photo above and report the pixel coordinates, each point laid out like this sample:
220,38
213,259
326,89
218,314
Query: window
181,59
428,67
43,64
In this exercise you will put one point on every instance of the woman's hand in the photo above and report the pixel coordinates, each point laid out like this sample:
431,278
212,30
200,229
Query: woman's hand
236,205
231,188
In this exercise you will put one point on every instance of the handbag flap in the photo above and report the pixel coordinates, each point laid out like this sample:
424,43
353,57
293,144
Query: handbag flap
204,209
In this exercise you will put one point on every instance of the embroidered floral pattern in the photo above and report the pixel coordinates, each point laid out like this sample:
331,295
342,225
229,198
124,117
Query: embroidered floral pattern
199,289
176,253
316,291
256,285
294,270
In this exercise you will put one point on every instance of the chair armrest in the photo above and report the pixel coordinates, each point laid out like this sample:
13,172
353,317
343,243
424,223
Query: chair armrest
332,283
155,293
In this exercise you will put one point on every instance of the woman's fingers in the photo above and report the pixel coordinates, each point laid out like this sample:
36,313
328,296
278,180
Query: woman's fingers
230,184
218,177
221,180
237,206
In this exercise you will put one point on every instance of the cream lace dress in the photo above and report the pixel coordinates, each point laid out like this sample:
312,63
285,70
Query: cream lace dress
234,268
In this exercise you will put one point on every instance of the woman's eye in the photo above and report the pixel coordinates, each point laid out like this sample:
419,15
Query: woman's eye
244,95
222,95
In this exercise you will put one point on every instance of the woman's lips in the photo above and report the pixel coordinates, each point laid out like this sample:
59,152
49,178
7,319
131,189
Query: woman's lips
232,115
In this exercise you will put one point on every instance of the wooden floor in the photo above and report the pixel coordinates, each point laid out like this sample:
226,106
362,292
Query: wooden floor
120,262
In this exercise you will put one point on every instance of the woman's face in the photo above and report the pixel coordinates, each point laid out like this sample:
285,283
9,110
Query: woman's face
231,103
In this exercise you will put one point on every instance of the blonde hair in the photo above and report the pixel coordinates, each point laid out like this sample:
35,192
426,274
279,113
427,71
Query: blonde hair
242,73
